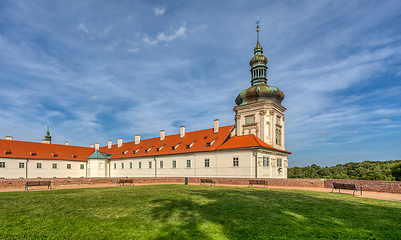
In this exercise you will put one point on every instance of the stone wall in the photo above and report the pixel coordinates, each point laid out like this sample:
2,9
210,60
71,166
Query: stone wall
377,186
369,185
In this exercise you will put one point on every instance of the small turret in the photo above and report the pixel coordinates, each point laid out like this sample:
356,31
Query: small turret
48,138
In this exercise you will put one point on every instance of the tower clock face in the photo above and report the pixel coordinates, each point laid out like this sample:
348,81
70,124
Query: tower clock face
250,120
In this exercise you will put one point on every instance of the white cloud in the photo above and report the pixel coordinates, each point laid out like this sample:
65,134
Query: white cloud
159,11
147,40
83,27
168,38
133,50
111,46
107,30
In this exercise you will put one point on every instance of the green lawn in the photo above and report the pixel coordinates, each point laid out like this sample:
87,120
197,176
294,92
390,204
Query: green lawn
194,212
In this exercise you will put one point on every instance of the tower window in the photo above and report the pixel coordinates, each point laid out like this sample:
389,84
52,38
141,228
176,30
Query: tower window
265,161
279,162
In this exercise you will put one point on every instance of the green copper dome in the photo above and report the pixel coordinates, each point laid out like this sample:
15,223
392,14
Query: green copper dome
259,91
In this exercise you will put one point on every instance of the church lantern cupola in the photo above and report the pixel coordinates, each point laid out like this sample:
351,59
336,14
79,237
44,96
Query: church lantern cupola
259,110
259,89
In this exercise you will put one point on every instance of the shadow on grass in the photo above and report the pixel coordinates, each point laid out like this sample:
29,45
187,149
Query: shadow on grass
218,212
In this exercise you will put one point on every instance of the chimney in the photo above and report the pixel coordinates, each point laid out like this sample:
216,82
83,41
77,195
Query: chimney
162,135
137,139
66,143
96,146
216,126
109,144
9,138
119,142
91,145
182,131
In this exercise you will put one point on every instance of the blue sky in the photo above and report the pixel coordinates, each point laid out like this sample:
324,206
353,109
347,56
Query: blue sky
100,70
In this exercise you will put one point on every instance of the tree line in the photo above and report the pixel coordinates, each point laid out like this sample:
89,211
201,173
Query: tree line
367,170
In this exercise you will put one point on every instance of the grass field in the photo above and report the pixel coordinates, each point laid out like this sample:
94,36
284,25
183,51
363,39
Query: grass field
194,212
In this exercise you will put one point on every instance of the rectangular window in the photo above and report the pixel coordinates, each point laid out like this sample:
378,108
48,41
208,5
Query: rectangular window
82,166
21,165
68,166
38,165
2,164
150,164
140,164
115,165
235,162
54,165
207,162
188,163
265,161
130,165
161,164
122,165
279,162
174,164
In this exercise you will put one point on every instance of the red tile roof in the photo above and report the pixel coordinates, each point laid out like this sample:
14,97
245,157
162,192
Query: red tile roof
197,141
247,141
33,150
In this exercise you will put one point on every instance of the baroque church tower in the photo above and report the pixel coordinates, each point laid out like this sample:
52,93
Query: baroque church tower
259,109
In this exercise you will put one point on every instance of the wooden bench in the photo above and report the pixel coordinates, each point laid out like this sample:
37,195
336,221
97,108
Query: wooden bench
38,183
207,180
257,181
123,181
345,186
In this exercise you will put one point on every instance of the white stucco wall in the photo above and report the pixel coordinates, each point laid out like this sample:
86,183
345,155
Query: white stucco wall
12,170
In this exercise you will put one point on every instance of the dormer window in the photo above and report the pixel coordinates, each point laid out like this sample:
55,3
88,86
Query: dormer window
54,154
73,155
136,151
147,150
7,151
175,147
208,144
33,153
160,148
125,152
190,145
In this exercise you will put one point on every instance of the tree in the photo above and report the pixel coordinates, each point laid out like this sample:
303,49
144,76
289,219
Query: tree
396,172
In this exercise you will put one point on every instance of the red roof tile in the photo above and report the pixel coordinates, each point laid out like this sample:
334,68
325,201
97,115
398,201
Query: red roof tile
247,141
197,141
33,150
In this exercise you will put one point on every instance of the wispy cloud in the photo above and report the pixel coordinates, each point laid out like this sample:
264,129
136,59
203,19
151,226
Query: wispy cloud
159,11
82,27
165,37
